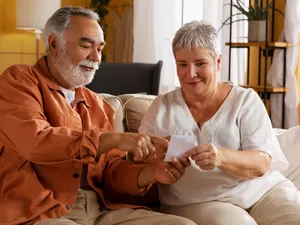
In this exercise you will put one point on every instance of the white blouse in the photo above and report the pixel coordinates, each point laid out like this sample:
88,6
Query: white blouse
241,123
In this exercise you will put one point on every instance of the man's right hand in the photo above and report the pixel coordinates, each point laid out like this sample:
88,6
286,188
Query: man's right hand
141,146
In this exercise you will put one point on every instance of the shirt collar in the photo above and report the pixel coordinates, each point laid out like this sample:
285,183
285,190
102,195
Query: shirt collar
80,97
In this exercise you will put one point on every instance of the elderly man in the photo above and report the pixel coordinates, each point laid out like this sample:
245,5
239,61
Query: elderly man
59,156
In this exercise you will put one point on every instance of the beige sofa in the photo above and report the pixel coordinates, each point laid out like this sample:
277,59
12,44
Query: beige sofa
130,109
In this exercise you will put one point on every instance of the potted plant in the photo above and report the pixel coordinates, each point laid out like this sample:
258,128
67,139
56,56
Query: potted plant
256,16
100,7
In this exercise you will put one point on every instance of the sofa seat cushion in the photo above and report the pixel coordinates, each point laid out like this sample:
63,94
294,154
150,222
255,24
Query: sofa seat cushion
135,106
117,105
289,141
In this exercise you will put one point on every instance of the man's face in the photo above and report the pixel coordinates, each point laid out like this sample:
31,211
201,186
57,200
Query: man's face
79,51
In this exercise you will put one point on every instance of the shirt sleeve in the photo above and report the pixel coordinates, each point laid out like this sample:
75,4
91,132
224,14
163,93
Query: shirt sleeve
121,175
26,131
256,130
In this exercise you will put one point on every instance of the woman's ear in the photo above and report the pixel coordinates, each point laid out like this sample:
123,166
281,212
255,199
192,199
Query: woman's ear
219,60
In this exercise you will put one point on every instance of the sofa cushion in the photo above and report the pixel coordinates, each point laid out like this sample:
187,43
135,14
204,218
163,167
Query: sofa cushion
117,105
290,144
135,106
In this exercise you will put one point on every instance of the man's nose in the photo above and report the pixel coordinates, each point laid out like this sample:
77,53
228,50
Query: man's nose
95,56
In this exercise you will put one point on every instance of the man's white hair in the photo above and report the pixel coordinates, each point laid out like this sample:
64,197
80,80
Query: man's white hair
196,34
60,21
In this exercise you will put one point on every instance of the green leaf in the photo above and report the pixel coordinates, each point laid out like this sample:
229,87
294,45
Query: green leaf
252,12
102,12
236,21
224,23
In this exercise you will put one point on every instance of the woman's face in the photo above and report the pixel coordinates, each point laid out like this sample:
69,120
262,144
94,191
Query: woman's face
197,70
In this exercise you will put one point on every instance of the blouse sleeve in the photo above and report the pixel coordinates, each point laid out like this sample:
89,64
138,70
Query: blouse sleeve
256,130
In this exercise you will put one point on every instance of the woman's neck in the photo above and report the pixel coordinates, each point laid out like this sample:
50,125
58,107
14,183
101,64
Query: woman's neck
202,101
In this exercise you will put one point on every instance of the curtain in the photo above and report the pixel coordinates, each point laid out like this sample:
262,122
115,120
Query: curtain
290,33
121,33
155,24
239,34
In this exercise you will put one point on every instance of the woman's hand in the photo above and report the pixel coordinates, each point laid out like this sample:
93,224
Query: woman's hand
206,156
246,164
163,172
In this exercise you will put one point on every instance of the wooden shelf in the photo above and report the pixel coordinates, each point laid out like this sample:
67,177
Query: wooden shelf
259,44
270,89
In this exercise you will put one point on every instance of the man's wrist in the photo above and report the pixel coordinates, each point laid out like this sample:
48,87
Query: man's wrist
146,176
108,141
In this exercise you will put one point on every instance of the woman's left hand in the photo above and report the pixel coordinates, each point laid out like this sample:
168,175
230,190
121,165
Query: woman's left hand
206,156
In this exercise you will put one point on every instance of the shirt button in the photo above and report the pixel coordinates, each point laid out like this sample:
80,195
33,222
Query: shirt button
68,207
75,175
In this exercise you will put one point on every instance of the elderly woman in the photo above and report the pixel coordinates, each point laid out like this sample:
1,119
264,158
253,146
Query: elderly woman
234,177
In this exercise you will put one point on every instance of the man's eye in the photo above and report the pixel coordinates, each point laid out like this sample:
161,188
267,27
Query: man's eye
85,46
200,64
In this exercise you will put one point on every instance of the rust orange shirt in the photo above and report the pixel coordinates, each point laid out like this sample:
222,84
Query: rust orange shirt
44,142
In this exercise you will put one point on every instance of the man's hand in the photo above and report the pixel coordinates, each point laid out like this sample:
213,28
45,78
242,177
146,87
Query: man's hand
163,172
206,156
140,146
161,145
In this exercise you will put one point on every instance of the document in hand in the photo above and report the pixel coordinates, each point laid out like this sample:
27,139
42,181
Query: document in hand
179,144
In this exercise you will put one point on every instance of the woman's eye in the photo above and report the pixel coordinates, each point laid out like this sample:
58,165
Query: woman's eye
182,65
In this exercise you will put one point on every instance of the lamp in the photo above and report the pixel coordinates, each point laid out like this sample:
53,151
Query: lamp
32,16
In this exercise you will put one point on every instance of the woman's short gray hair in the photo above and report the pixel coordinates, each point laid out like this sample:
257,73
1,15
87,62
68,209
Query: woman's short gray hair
60,21
196,34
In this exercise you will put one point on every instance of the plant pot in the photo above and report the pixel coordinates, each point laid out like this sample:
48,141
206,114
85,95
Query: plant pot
256,30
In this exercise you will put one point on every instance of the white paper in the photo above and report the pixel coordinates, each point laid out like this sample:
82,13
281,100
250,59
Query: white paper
179,144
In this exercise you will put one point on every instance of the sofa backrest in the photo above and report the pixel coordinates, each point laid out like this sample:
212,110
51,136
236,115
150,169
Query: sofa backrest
123,78
129,110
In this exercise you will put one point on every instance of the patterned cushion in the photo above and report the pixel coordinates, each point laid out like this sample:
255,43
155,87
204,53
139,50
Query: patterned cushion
290,144
117,105
135,106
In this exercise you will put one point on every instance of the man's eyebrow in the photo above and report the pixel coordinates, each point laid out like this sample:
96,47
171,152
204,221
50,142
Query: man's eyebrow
85,39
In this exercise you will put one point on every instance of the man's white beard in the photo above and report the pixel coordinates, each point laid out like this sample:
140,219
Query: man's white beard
74,75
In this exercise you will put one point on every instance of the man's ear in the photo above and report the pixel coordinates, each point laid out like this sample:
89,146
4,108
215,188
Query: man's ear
52,42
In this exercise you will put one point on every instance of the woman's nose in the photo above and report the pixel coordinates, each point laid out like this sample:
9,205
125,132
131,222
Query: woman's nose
191,72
